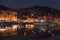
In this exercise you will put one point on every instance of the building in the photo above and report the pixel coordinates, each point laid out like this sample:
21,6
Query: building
8,15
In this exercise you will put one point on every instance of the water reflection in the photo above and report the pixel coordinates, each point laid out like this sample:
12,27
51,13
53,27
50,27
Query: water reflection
27,31
9,31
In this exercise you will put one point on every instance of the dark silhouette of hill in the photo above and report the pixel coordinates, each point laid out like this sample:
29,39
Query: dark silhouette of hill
2,7
38,9
42,9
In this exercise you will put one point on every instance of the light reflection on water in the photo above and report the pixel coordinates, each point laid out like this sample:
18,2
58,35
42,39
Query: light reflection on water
8,30
12,31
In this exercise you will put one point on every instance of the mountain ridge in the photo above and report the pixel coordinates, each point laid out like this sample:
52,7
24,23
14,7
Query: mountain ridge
37,8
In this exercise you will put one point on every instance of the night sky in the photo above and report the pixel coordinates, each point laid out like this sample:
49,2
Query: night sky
29,3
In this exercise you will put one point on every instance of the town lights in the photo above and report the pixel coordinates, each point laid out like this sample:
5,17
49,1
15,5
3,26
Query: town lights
14,26
42,20
29,26
24,20
2,29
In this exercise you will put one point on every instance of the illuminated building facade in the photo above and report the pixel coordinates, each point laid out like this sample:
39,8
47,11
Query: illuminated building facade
8,15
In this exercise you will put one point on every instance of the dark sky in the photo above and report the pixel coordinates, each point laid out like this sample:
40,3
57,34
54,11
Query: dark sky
29,3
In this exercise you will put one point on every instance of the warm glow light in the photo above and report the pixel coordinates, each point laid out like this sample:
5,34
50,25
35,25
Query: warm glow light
42,21
32,26
29,26
2,29
24,21
37,20
14,26
8,17
30,19
15,19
